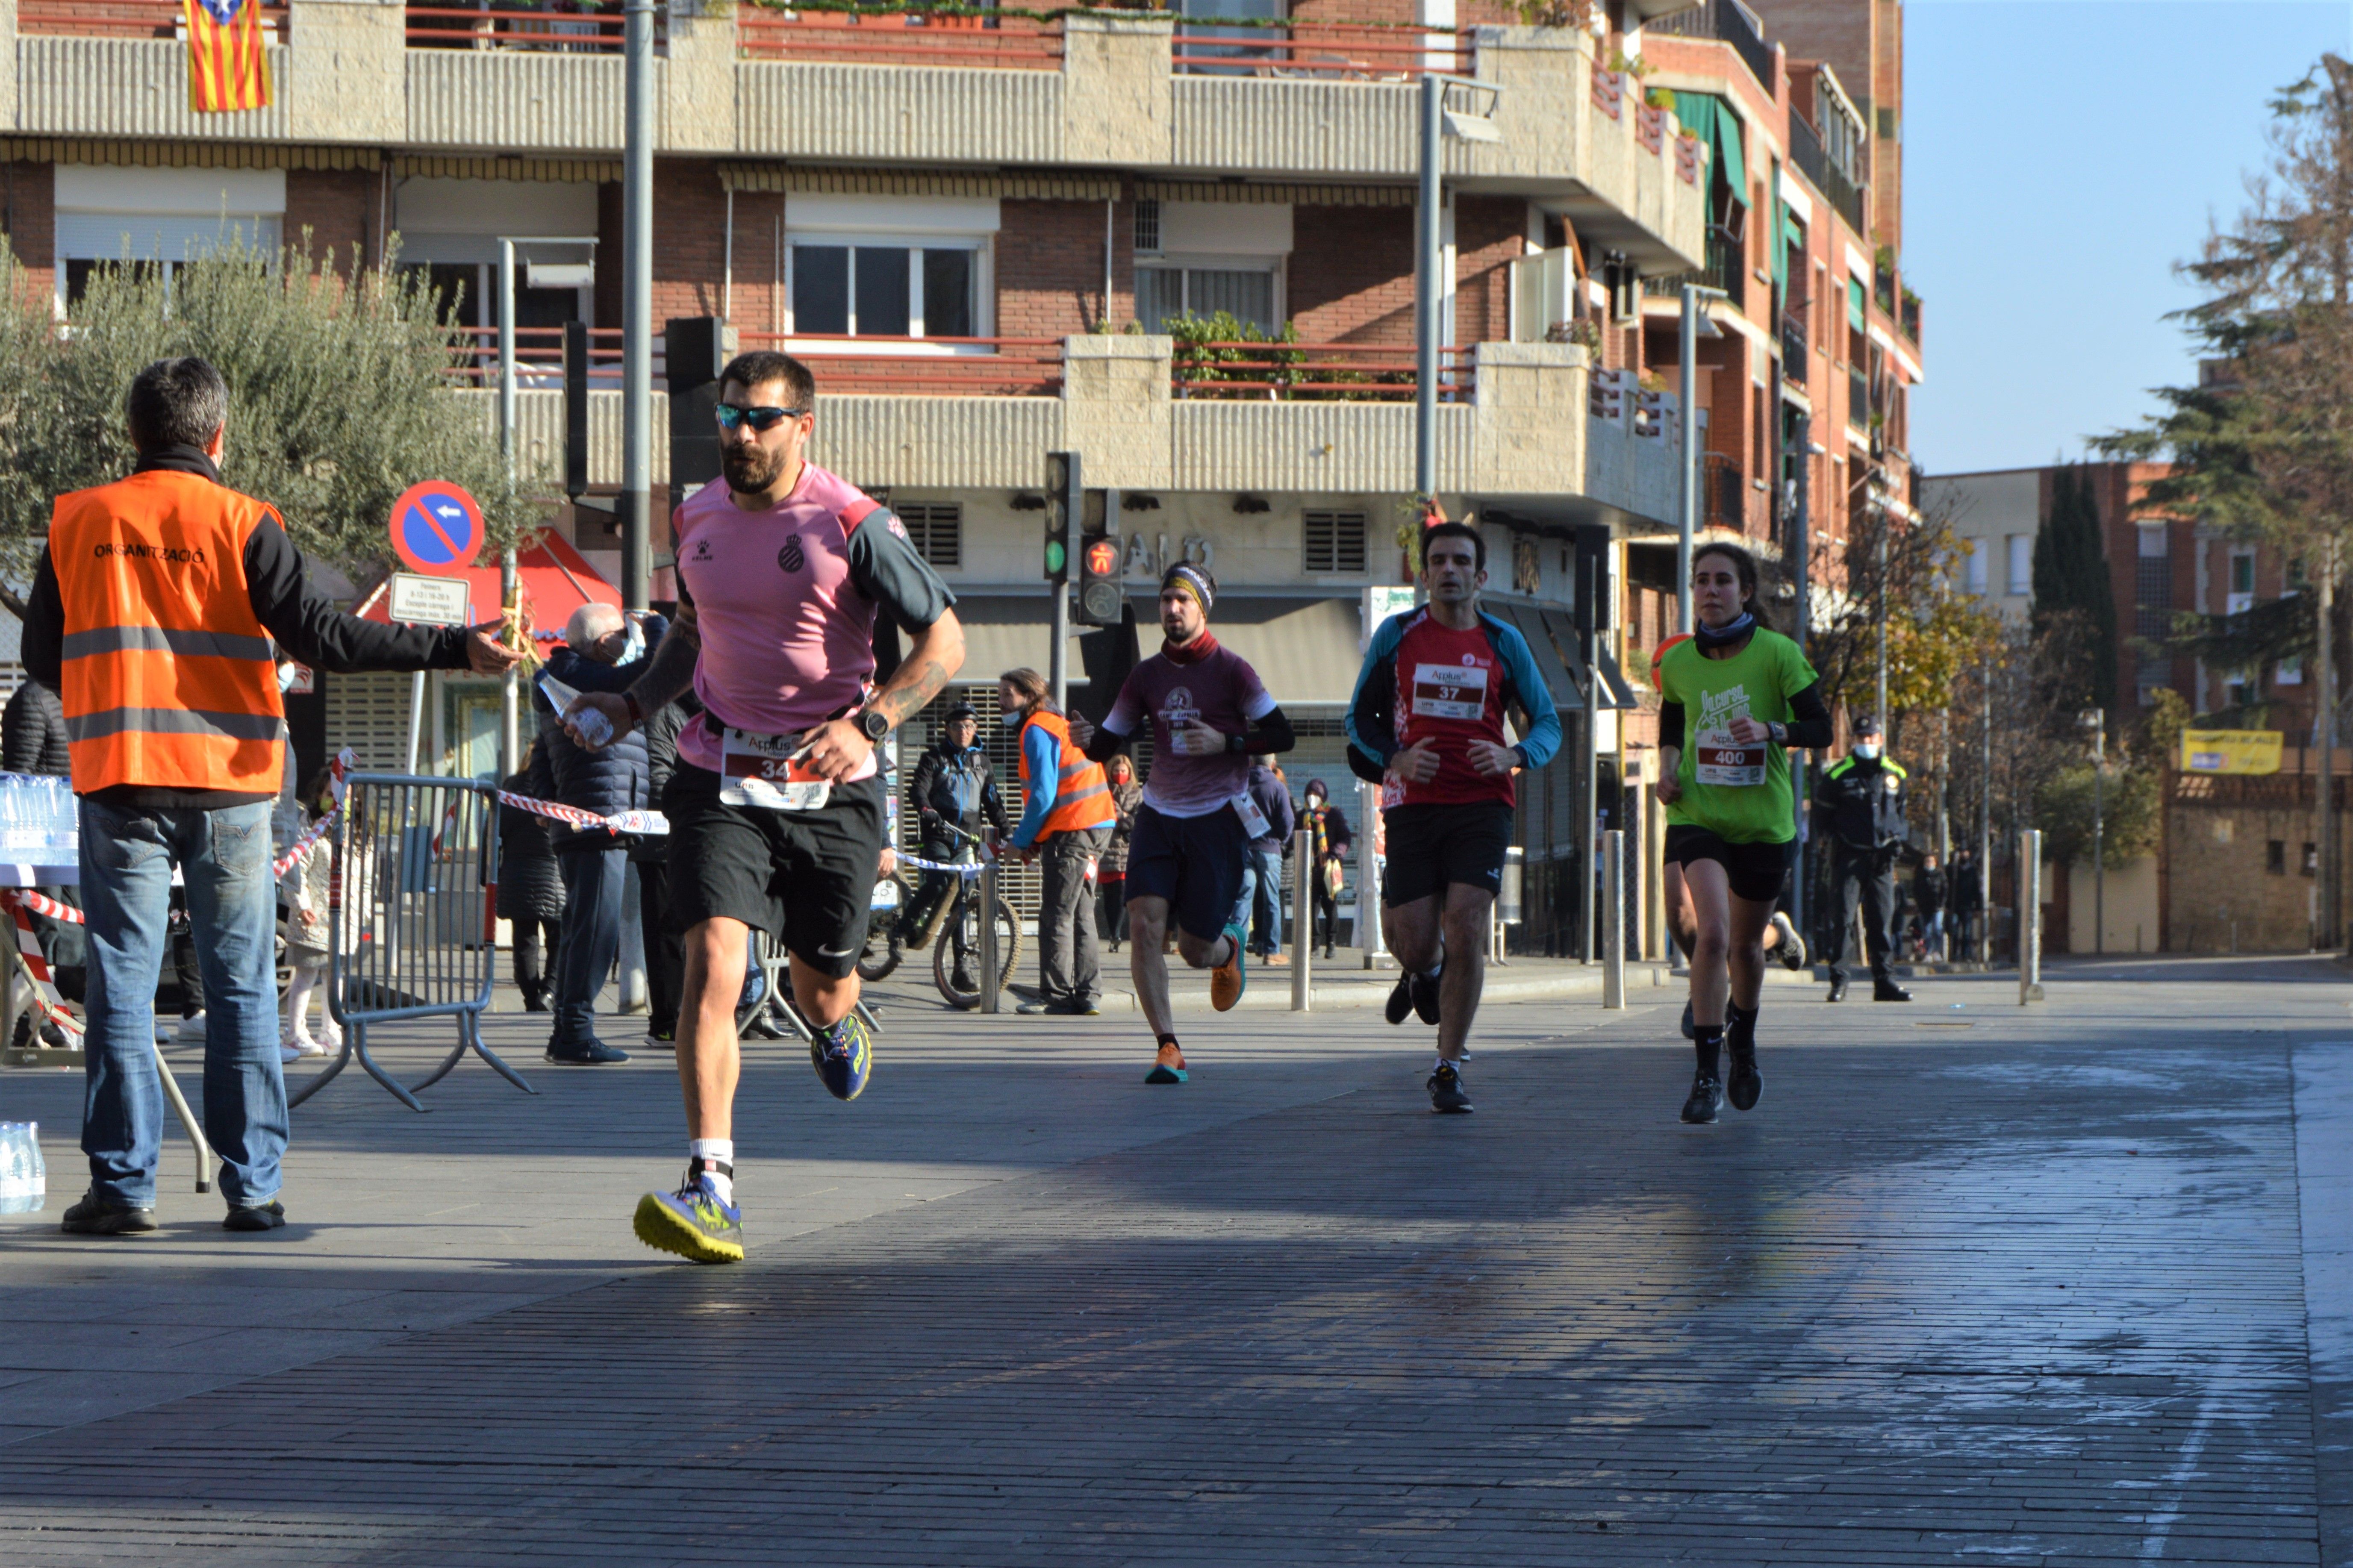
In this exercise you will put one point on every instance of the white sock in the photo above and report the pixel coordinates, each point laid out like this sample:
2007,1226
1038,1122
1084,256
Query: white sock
721,1150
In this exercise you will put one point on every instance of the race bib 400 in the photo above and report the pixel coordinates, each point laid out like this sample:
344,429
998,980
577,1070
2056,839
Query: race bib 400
1719,760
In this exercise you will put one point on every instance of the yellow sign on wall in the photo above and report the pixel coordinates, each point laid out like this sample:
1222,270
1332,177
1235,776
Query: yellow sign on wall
2231,750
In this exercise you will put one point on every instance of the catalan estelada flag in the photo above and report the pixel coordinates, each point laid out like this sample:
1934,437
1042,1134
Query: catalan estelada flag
226,67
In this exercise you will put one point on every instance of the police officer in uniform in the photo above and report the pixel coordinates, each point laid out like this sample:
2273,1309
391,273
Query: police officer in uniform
1859,805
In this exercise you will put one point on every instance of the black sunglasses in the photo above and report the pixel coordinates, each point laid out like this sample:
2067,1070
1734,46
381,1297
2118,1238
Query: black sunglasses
732,414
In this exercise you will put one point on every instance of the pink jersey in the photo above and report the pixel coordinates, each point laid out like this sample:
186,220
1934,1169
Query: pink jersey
1220,691
787,636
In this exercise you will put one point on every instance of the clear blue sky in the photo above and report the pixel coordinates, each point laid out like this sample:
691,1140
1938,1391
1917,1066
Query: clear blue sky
2060,156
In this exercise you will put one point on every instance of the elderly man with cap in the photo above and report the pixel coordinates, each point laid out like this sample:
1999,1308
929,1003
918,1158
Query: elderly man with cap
954,792
1860,808
604,651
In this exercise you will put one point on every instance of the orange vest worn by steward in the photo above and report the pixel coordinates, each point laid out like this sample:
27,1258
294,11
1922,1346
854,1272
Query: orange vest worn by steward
1081,795
168,676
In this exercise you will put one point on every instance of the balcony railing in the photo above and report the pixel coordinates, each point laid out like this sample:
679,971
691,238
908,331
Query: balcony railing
900,38
119,18
539,357
1727,269
1312,372
1723,493
1883,288
1797,361
1730,22
1806,152
925,367
1858,400
1908,321
550,27
1326,51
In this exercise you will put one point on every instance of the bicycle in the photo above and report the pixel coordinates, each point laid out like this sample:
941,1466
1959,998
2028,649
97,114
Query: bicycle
956,944
885,941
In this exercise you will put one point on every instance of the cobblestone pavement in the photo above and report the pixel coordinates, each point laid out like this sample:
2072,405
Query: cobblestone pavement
2069,1283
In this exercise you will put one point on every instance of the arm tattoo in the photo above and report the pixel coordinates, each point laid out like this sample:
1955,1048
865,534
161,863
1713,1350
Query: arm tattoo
672,669
921,677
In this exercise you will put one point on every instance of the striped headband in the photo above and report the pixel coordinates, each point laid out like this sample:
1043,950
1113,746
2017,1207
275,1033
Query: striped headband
1194,580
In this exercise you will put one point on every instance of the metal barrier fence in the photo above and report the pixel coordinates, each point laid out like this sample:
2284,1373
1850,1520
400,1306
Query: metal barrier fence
410,922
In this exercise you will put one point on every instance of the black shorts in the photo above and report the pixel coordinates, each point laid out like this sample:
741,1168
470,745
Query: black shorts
1757,871
1433,844
1194,862
804,876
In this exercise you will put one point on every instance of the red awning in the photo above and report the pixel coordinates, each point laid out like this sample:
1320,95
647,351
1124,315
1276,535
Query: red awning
555,582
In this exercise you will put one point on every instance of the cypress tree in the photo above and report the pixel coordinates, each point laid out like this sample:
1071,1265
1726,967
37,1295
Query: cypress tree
2072,584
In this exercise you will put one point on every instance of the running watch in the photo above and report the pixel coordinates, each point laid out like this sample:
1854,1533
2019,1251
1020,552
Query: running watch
877,727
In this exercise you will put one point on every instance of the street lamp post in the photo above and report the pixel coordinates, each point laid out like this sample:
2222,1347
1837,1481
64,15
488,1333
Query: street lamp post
1695,323
2095,719
634,512
1438,122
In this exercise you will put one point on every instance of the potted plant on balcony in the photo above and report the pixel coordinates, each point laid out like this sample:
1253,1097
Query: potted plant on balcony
1221,351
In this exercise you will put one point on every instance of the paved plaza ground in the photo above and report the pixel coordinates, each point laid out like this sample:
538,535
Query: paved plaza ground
2071,1283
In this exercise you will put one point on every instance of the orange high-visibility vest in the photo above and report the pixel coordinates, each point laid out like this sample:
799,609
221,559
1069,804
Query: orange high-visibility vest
1082,794
168,678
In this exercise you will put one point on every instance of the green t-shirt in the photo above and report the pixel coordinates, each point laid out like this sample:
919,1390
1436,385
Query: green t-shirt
1741,794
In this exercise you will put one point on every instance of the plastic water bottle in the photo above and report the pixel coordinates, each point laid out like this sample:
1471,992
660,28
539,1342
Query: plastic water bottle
594,727
23,1180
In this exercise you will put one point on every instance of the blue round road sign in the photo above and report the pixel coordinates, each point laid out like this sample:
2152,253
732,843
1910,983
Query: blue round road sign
437,528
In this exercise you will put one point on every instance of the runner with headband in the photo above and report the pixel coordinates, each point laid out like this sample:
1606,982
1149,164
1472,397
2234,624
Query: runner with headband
1208,715
1732,700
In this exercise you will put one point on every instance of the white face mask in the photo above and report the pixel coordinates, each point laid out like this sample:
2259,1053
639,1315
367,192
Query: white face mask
1867,750
1013,721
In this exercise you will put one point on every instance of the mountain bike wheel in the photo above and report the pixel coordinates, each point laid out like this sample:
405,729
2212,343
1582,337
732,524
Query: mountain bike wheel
884,949
955,950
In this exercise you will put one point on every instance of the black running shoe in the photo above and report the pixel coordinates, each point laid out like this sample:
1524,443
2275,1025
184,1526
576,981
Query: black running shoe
1400,1000
1888,991
1743,1084
1838,989
256,1216
1691,1030
1707,1099
1425,999
1446,1091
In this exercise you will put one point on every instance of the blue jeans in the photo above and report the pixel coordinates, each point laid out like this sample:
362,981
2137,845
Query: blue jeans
1266,899
590,941
126,888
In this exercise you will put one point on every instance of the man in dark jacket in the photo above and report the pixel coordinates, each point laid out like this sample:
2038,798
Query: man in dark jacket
954,788
1928,897
1968,904
1859,805
594,861
665,944
33,732
531,888
1260,908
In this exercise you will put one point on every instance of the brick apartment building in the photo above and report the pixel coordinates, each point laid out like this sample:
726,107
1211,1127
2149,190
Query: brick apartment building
978,230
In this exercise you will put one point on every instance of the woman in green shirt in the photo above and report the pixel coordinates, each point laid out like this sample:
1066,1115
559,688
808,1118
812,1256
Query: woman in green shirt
1733,700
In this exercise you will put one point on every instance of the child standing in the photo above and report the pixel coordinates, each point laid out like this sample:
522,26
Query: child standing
307,882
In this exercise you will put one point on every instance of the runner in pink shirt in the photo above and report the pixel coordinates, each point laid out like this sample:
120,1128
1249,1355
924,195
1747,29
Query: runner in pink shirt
777,810
1210,715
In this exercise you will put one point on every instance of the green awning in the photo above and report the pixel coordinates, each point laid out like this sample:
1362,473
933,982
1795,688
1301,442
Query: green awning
1711,120
1855,303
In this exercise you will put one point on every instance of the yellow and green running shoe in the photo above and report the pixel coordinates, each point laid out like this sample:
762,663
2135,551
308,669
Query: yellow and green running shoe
693,1222
843,1056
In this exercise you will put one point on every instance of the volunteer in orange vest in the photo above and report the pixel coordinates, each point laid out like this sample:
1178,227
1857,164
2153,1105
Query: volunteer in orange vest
153,613
1068,822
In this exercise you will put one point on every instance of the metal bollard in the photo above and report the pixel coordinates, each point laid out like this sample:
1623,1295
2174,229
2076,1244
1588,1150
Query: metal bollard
1302,919
2030,917
406,936
988,974
1613,918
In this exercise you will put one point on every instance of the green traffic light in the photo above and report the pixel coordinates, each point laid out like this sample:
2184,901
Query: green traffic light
1056,554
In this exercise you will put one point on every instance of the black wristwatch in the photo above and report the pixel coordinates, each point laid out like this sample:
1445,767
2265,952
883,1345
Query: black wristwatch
1778,733
875,724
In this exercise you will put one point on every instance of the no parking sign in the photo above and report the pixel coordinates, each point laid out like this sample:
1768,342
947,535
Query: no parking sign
437,528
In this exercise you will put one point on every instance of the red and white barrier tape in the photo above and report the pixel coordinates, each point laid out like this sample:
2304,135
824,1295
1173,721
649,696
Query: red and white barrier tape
337,773
21,903
648,822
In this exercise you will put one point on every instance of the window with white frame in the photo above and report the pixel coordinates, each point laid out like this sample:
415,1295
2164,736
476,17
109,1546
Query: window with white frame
2243,583
1214,257
886,268
1980,554
108,216
2021,563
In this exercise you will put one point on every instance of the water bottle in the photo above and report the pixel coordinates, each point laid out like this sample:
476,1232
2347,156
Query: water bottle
23,1180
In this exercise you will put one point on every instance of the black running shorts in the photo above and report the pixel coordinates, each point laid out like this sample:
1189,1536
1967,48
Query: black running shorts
1433,844
1194,862
1757,871
805,876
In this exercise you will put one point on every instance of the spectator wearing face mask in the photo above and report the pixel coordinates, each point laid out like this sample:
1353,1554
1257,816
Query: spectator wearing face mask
1861,804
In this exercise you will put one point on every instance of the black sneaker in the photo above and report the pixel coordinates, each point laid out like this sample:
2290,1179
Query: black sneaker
1838,989
256,1216
1400,1000
1425,999
1446,1091
94,1215
1743,1084
1707,1099
596,1053
1691,1030
1888,991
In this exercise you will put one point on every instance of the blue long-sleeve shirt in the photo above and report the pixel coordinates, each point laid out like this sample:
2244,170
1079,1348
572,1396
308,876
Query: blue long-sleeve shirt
1043,756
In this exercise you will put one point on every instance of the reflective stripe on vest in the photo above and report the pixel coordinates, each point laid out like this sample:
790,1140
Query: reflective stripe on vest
167,678
1081,794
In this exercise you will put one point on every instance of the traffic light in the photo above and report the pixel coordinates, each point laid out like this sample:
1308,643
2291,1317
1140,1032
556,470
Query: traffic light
1065,506
1101,598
